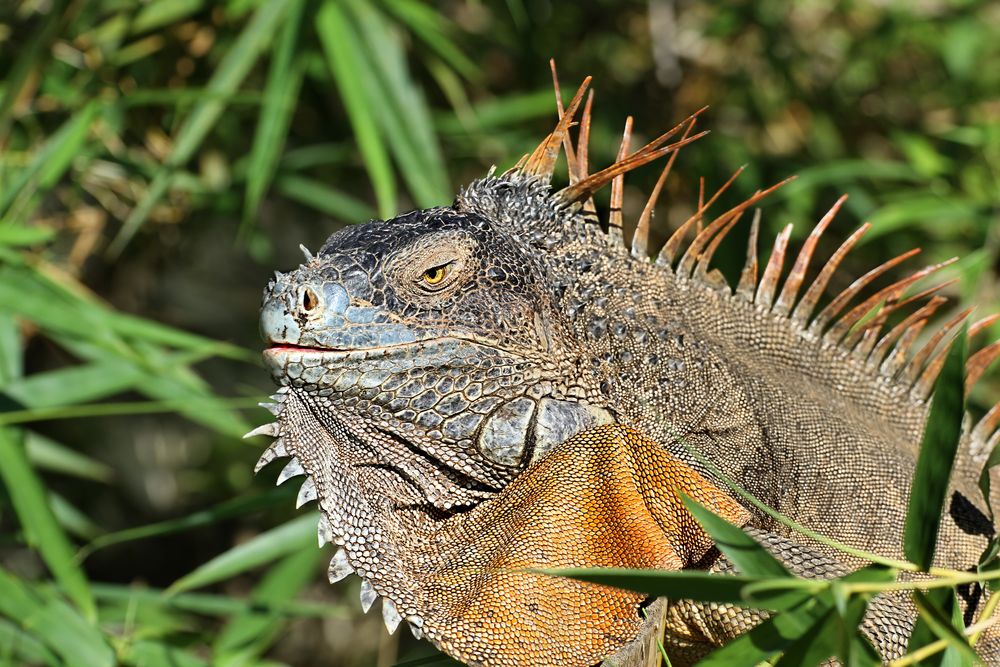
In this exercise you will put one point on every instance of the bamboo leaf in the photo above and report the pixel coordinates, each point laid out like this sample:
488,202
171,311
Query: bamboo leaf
349,74
232,69
296,535
38,522
743,551
280,97
936,459
940,622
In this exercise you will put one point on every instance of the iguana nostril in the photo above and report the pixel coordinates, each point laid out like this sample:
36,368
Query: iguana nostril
309,300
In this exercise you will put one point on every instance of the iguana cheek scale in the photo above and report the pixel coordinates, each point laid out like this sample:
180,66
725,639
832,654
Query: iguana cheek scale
482,390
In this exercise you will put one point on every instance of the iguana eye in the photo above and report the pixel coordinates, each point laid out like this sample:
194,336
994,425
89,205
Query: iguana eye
435,275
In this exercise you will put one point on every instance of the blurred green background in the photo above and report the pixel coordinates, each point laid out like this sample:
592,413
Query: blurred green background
159,159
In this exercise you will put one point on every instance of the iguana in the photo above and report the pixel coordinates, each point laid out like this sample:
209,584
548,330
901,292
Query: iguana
480,390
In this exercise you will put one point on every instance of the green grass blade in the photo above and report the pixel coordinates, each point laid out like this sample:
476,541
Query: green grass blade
743,551
941,624
11,356
280,97
937,456
435,32
689,584
50,620
234,507
229,74
209,604
146,653
322,197
30,59
248,635
349,74
767,638
52,159
296,535
38,522
399,106
19,647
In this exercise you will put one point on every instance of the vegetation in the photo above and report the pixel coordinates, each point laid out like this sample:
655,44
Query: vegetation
159,159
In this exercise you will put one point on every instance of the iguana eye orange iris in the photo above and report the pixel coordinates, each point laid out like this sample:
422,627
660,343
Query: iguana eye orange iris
434,275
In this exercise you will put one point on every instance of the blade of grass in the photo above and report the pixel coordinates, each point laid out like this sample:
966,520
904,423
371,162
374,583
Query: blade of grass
296,535
50,620
232,69
325,199
224,510
399,106
217,605
281,94
349,75
743,551
50,161
38,522
936,459
246,636
19,647
47,454
940,623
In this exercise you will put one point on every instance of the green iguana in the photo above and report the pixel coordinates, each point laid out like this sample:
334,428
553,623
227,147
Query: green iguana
478,390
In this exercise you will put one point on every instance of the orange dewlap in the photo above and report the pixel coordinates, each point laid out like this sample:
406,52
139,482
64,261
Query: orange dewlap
608,497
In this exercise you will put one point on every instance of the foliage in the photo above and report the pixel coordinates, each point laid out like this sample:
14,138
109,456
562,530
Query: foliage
160,158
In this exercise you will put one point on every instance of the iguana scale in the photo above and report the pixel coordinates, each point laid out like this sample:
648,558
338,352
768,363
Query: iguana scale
479,390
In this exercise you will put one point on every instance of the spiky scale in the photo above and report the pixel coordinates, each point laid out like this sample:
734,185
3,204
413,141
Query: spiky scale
307,493
271,429
390,615
324,531
273,408
339,567
292,469
368,595
306,252
275,450
416,624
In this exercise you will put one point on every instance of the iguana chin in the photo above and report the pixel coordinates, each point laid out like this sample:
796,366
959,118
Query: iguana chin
481,390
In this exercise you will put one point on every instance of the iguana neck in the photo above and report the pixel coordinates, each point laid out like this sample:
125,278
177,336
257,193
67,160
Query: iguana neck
608,497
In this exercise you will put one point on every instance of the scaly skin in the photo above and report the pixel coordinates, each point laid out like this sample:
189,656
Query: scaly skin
500,384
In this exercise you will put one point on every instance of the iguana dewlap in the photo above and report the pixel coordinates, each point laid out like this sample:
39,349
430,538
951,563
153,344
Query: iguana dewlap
443,376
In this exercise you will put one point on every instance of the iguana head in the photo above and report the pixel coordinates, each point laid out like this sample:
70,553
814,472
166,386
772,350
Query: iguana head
438,330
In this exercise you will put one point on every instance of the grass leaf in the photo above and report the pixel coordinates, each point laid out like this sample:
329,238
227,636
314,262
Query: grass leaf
743,551
937,456
38,522
296,535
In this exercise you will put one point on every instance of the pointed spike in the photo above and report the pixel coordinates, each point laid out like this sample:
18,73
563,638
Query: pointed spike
292,469
416,624
794,281
543,161
748,278
306,252
615,221
390,615
368,595
270,429
897,332
987,426
703,238
896,361
925,384
912,371
640,239
571,163
841,300
281,390
273,408
979,362
772,272
701,270
324,531
892,305
583,152
275,450
804,310
890,293
339,567
307,493
595,182
982,325
278,275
